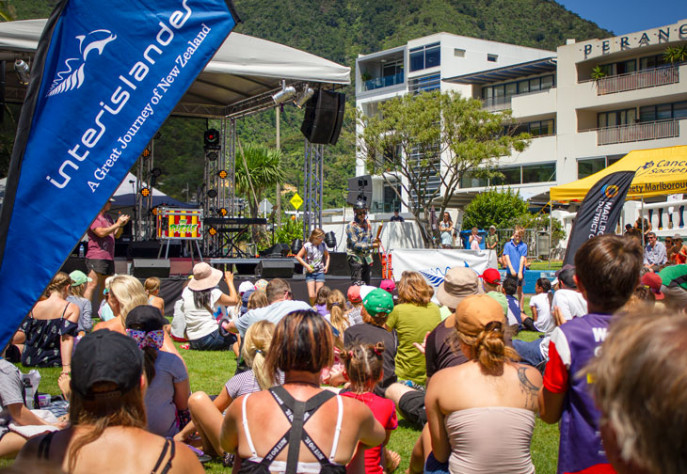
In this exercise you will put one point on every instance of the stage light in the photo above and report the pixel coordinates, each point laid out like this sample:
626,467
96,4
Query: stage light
145,192
212,231
146,152
211,138
23,72
212,194
211,155
223,212
305,96
285,94
156,172
223,174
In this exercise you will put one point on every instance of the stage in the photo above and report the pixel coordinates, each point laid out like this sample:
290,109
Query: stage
174,272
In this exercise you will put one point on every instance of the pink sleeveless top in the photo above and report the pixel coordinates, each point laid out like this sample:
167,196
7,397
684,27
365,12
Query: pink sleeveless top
490,439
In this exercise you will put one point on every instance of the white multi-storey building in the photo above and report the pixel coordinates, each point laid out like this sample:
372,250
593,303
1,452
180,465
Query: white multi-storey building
421,65
580,122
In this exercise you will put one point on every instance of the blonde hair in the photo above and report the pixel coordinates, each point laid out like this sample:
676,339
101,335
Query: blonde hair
256,345
336,305
58,283
129,293
414,289
316,233
151,284
77,290
489,348
257,299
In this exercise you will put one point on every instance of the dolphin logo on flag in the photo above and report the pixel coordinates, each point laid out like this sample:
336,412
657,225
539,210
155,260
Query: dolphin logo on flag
73,76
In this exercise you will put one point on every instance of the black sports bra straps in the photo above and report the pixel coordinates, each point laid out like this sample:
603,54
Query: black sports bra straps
169,444
297,413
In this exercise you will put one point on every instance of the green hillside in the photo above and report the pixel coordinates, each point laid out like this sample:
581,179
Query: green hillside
339,30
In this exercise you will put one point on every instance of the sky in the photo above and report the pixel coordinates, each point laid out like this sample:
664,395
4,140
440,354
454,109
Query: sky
628,16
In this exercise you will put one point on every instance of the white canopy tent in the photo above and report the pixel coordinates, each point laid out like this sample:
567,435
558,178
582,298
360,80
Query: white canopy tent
239,80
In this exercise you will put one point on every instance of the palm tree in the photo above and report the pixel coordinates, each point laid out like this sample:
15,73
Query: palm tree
676,54
257,168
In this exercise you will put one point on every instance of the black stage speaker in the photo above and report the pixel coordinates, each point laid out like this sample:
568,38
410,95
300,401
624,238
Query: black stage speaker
150,267
323,118
144,249
275,268
360,188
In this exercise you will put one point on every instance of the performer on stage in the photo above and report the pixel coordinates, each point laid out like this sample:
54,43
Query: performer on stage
360,244
100,253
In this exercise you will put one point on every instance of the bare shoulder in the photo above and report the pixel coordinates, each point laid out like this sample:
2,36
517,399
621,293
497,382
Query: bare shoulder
185,460
529,376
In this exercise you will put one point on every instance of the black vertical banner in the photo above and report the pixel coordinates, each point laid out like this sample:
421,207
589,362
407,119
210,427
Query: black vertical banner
600,211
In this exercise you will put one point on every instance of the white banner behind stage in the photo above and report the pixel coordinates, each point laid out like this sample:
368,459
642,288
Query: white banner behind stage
434,263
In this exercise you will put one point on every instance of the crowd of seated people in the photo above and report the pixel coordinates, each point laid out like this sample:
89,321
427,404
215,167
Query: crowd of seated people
449,360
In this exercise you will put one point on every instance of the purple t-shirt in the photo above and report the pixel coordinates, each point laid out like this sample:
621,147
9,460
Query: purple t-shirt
574,344
100,248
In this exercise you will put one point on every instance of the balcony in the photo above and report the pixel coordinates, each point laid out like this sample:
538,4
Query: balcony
638,80
495,104
385,81
638,132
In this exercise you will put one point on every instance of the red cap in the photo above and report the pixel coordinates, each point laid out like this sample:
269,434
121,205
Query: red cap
491,276
354,294
653,281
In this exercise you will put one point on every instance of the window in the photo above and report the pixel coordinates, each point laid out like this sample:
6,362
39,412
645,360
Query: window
492,58
671,111
459,53
539,173
524,86
652,62
616,118
514,175
538,128
622,67
425,83
425,57
510,176
589,166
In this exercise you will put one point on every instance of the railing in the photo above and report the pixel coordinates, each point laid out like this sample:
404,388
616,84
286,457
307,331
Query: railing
667,218
385,81
493,104
638,80
638,132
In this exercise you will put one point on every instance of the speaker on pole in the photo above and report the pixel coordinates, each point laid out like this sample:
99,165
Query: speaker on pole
359,189
275,268
150,267
323,118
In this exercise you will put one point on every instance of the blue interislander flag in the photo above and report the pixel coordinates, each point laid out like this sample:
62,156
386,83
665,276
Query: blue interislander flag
105,77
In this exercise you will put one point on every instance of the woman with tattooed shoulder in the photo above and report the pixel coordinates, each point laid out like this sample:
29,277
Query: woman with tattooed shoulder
481,414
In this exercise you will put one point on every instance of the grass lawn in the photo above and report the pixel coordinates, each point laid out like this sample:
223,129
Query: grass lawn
210,370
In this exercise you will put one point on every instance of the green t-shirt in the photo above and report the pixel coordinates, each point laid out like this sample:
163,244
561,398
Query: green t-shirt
412,323
490,240
673,272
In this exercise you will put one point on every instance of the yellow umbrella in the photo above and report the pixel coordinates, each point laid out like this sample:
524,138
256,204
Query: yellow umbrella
660,171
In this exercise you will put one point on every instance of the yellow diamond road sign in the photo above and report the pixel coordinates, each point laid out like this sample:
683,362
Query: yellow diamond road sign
296,201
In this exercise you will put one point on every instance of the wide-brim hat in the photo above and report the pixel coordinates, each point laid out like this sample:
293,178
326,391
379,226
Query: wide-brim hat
204,277
459,282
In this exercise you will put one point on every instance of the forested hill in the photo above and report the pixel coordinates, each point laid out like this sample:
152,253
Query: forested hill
339,30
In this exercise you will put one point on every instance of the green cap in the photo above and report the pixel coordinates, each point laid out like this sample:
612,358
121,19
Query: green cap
378,301
79,278
500,299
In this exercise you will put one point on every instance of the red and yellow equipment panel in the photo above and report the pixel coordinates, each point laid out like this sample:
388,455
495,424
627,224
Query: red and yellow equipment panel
185,224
